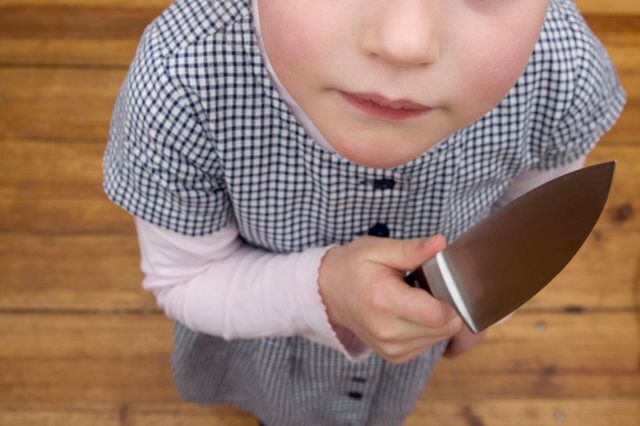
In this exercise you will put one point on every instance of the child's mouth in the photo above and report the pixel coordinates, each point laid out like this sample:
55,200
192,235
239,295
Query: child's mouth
378,106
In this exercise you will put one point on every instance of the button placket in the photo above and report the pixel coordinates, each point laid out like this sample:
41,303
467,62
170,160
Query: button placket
385,187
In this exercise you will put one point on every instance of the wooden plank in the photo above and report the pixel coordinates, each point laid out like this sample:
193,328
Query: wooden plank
547,355
93,21
552,343
118,52
600,7
627,129
105,33
617,7
38,415
85,359
125,4
623,7
57,103
55,185
166,414
623,204
495,412
77,104
85,272
604,274
591,6
624,49
53,189
508,412
89,272
118,359
64,52
615,30
188,414
73,32
66,246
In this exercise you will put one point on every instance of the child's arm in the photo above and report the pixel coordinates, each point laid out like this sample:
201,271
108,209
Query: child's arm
217,285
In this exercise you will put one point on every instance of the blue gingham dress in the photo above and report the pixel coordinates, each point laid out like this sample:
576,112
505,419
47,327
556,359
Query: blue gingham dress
200,136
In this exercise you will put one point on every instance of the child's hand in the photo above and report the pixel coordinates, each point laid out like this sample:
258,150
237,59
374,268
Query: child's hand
362,287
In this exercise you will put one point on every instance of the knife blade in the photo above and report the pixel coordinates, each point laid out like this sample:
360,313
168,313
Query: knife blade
507,258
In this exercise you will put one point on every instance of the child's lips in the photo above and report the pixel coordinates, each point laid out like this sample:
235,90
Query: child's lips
379,106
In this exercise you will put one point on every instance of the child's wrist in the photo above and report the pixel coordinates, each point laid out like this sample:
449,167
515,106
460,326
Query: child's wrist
325,284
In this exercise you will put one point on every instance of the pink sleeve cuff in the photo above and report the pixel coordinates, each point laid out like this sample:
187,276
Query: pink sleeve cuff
321,329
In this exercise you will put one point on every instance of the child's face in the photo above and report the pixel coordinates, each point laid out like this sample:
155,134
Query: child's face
341,60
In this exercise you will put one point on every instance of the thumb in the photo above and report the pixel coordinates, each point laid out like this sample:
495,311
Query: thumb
404,255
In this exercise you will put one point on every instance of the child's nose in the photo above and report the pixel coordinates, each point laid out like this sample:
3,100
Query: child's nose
401,32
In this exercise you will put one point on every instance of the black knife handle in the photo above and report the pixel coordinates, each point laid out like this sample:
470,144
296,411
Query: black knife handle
417,279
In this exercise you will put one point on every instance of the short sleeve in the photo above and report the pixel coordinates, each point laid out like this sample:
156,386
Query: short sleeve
160,163
595,99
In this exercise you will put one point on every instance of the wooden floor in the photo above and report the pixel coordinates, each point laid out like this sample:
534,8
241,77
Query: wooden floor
82,344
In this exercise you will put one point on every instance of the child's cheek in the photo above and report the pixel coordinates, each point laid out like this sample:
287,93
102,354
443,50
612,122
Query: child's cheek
291,52
497,68
291,45
499,72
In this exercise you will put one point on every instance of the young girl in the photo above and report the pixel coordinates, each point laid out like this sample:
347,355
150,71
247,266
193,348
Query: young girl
266,149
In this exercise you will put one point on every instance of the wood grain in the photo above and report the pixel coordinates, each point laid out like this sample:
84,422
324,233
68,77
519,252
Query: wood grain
101,272
61,99
120,358
82,344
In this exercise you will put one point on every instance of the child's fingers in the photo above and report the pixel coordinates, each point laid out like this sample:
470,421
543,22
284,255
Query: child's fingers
418,306
400,331
404,255
402,351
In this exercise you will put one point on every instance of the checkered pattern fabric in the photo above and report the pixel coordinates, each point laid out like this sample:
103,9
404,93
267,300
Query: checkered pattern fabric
200,136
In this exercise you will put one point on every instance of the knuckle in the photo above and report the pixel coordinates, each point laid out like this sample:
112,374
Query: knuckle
437,318
382,332
393,353
455,325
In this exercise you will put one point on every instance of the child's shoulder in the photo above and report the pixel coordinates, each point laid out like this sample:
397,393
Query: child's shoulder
188,36
567,46
187,22
566,29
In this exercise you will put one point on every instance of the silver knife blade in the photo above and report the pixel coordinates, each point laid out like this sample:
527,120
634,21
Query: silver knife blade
504,260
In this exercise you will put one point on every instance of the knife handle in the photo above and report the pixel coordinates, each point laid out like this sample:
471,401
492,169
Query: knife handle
417,279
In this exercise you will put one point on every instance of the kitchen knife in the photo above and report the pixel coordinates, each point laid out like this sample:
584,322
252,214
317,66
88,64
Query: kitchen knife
504,260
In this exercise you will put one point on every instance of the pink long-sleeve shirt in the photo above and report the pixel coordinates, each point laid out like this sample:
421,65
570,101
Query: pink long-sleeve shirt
218,285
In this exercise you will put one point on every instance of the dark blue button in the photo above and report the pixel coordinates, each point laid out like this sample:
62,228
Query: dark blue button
379,230
359,379
384,183
355,395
